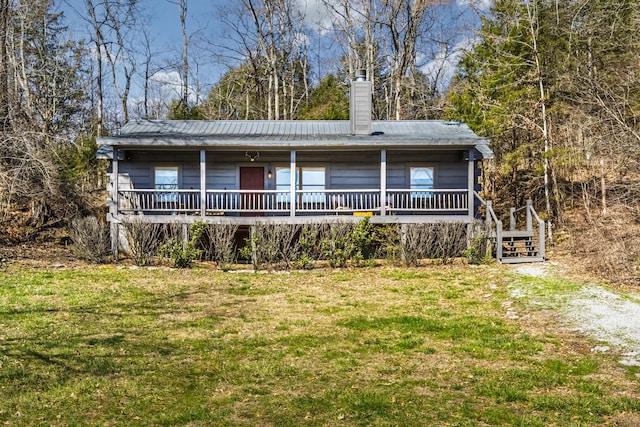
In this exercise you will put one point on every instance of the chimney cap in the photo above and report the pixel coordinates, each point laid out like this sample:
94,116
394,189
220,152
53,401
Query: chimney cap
361,75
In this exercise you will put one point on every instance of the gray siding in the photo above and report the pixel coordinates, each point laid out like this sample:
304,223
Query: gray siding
451,175
221,176
362,176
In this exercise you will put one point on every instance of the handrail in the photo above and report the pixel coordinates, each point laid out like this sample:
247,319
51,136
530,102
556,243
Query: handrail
492,217
541,231
512,216
531,215
482,201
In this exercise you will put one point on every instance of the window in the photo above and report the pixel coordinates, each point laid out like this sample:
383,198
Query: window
421,178
308,179
166,178
313,185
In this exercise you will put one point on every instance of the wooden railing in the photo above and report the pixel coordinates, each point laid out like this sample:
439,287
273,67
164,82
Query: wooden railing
249,201
277,202
338,201
529,217
159,201
428,200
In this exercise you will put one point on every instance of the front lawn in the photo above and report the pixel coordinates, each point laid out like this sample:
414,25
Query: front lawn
373,346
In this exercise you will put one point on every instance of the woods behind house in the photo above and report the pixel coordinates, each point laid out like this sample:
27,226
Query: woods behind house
554,85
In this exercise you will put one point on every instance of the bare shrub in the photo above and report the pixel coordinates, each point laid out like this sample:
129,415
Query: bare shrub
415,242
338,245
451,240
478,250
218,244
310,241
388,244
441,241
91,238
144,239
274,244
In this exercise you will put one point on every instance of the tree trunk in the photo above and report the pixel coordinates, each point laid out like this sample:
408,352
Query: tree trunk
97,40
4,66
533,19
185,54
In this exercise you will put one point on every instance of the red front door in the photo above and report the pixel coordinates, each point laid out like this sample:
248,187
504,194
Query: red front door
251,178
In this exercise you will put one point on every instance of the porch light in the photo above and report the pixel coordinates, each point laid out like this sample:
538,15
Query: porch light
252,155
269,174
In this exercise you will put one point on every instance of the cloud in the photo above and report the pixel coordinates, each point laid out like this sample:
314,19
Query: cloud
169,86
316,15
442,67
480,4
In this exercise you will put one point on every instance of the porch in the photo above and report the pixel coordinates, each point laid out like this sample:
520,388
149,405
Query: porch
403,185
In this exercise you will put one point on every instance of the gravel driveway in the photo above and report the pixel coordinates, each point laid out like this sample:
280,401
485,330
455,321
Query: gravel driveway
606,316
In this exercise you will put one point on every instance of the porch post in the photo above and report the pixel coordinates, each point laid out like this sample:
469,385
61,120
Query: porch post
383,182
471,183
115,199
203,183
292,184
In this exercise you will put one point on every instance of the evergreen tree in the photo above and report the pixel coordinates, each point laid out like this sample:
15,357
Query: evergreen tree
497,93
328,101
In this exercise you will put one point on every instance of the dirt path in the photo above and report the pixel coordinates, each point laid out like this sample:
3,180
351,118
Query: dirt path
606,316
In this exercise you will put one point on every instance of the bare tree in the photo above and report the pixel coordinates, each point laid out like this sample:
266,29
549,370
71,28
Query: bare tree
98,42
4,66
357,26
114,28
404,23
270,38
182,11
385,37
533,24
44,105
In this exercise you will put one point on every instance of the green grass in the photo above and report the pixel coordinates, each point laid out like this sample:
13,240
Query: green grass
372,346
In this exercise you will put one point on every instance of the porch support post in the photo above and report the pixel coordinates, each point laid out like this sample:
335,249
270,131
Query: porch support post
383,182
115,199
470,184
203,183
292,184
115,171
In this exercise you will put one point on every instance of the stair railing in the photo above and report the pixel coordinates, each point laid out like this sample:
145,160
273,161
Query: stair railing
492,218
531,215
531,212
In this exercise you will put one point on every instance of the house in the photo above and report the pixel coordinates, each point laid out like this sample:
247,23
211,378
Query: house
241,171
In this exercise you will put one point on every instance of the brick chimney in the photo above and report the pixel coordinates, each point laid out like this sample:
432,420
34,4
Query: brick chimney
360,104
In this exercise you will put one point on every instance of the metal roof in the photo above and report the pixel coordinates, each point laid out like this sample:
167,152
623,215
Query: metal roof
295,134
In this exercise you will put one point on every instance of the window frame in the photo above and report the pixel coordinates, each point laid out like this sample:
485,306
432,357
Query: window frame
167,197
300,184
420,192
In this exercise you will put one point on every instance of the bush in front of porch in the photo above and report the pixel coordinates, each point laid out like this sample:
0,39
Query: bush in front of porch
276,246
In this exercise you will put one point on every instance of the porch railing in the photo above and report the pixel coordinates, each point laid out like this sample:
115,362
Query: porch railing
428,200
249,201
277,202
338,201
158,201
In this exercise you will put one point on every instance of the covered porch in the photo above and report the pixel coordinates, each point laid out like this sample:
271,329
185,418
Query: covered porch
241,187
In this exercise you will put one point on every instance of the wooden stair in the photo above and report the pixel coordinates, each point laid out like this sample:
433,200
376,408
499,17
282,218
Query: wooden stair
513,246
519,247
